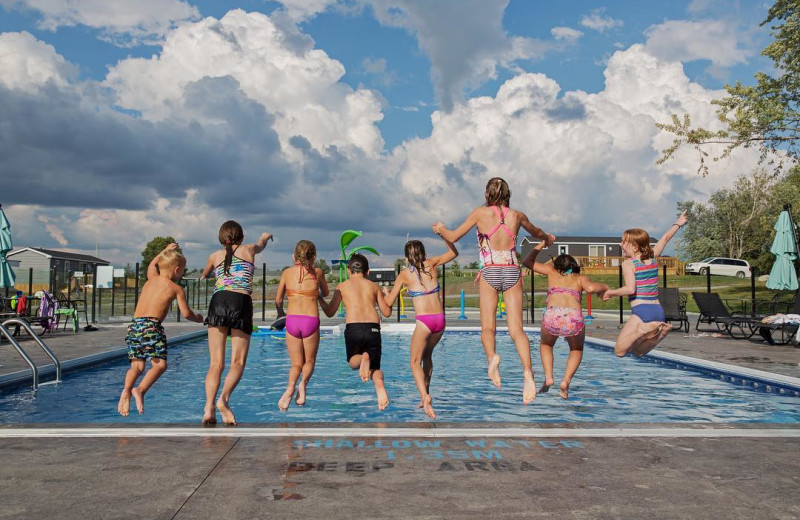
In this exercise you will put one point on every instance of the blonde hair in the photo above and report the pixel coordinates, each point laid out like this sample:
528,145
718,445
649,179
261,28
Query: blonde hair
497,192
640,240
305,253
169,259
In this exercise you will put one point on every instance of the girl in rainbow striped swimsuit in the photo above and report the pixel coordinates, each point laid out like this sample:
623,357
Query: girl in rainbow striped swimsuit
646,327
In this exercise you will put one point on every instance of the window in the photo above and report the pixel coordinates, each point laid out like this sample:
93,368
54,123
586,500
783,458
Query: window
597,250
563,250
66,266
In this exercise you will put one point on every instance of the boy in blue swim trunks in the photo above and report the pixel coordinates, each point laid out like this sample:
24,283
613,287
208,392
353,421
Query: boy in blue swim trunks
146,338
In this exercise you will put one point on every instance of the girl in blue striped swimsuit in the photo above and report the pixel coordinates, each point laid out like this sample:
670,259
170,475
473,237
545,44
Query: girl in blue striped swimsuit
646,327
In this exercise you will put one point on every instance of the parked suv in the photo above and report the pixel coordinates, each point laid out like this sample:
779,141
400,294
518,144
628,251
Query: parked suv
720,266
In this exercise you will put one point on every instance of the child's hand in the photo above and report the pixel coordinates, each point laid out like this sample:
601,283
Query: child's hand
437,228
606,296
550,239
266,237
541,245
172,246
683,219
197,318
385,290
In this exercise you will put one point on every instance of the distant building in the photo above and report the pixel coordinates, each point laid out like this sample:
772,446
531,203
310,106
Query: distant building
44,261
575,246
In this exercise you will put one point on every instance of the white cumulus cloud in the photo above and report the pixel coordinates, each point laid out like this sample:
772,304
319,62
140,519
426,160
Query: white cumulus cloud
125,22
683,40
29,63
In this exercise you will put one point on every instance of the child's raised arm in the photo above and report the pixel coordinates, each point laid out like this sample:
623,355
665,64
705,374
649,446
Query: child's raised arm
152,269
329,308
535,231
456,234
448,256
530,260
664,240
262,243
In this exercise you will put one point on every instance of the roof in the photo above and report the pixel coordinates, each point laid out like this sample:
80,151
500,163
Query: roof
62,255
577,239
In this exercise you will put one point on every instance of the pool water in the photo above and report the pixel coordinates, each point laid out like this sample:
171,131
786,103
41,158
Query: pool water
605,389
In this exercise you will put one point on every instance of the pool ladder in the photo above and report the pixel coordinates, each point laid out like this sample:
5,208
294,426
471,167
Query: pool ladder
10,337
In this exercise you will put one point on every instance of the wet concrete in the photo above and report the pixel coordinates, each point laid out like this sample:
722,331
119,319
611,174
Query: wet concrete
349,476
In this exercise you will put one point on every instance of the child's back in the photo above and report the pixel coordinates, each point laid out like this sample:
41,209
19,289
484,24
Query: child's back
157,295
360,296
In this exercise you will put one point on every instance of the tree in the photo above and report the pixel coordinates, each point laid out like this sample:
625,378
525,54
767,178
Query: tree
155,246
738,222
473,265
322,264
763,115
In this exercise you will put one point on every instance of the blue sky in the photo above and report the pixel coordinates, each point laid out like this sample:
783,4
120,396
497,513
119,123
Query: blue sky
308,117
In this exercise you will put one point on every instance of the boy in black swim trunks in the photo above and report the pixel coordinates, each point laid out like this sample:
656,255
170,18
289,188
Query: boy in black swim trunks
146,338
362,333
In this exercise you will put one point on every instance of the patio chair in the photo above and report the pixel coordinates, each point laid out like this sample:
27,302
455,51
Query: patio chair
68,310
777,333
674,303
713,311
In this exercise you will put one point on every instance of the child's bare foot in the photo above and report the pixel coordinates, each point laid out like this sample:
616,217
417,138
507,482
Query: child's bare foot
383,397
301,394
363,371
548,382
284,401
494,371
124,406
226,413
665,328
564,390
428,408
139,398
210,415
528,388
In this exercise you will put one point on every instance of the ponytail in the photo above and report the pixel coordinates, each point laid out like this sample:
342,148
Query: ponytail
230,234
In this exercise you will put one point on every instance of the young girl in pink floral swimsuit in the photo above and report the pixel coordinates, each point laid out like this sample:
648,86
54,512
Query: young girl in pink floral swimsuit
563,316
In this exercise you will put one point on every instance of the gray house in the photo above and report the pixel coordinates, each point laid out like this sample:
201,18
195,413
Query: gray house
575,246
44,261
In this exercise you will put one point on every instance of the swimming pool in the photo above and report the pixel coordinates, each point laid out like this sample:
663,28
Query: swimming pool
605,390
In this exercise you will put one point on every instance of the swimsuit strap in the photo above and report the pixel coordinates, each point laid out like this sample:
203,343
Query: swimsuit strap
303,271
423,292
500,224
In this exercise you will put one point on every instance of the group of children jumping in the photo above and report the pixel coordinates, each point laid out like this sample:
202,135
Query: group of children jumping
303,285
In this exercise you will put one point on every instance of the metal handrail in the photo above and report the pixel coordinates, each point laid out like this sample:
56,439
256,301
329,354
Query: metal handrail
10,337
25,325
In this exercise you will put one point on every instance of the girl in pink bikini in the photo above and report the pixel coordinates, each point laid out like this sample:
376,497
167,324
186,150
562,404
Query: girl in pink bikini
563,316
421,278
500,273
301,284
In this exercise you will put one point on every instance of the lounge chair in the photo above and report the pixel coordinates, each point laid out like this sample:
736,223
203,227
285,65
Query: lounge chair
674,303
713,311
776,333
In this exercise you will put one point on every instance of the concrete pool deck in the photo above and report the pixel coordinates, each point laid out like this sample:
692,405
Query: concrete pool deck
420,470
